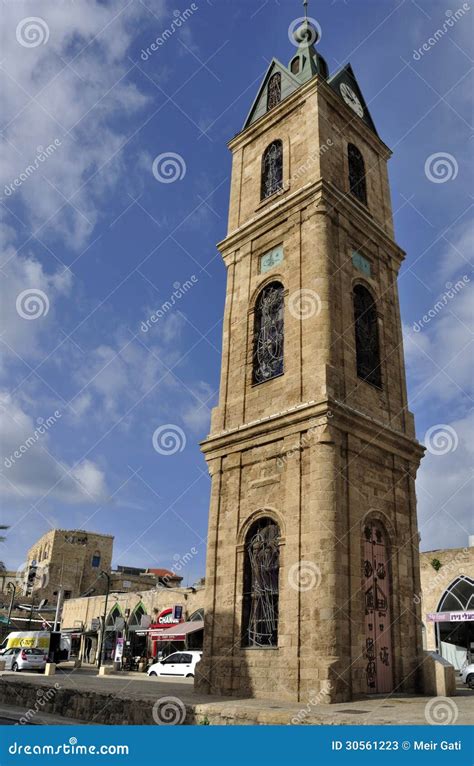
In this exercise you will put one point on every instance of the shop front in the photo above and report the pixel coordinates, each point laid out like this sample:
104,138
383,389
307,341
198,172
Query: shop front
454,622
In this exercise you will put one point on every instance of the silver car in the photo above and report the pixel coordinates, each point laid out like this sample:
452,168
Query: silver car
20,658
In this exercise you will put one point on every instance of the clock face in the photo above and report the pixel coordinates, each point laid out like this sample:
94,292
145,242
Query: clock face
351,99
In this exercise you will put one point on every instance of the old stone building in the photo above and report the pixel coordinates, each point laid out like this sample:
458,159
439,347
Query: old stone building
69,558
447,601
312,560
130,615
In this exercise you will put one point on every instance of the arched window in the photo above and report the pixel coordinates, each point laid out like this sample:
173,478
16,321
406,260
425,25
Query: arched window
96,559
114,614
272,169
366,337
357,182
136,616
274,90
261,573
268,333
378,619
459,597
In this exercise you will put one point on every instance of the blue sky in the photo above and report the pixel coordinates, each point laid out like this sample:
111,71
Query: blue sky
104,243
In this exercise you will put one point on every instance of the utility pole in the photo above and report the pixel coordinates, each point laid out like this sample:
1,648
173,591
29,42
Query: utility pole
11,586
104,617
58,609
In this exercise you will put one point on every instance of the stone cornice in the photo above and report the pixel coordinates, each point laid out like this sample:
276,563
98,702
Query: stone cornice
298,418
320,192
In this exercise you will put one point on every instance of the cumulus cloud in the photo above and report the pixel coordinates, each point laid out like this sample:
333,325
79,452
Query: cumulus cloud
445,489
28,298
29,469
439,356
66,91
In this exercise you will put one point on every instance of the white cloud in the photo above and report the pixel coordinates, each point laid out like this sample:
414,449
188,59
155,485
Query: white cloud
456,257
20,336
445,490
29,470
439,356
45,99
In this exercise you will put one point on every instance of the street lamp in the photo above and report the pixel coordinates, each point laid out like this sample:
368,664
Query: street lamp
11,586
102,637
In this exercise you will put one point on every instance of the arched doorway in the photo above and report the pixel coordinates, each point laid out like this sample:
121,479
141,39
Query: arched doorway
455,633
136,633
377,592
114,626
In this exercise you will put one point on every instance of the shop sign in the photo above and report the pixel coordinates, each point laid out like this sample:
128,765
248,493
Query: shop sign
119,649
450,617
171,616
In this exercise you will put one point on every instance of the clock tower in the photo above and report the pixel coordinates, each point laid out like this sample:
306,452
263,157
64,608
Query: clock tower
312,564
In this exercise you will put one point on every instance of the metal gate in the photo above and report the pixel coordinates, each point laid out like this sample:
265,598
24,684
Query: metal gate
378,639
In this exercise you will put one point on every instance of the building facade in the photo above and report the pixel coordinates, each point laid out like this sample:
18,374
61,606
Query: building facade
447,601
71,559
312,561
141,619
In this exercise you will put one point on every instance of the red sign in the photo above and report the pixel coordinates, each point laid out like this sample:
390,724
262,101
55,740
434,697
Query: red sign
166,618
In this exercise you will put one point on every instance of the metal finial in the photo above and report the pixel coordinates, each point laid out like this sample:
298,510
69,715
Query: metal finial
305,3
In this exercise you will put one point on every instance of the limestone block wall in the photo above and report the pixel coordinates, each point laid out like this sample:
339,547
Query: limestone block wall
455,562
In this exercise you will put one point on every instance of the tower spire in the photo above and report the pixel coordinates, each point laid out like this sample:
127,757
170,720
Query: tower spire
305,3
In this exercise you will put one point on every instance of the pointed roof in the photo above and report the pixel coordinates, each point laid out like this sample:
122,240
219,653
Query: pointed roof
345,75
289,83
304,65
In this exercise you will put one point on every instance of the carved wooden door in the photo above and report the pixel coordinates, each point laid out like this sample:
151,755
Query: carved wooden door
378,619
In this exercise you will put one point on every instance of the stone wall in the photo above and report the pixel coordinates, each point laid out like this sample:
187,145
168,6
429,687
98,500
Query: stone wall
455,562
65,557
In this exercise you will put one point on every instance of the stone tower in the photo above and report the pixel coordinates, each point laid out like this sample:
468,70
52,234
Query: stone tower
312,563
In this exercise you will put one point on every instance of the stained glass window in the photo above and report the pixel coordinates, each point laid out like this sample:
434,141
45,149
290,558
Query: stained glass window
272,169
274,90
366,336
268,333
261,575
357,180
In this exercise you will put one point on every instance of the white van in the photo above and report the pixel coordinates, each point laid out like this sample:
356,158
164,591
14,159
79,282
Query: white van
53,644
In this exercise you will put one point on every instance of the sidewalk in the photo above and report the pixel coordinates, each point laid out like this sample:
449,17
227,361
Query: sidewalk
83,696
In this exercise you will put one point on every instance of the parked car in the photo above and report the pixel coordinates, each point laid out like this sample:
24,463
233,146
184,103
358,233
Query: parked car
177,664
24,659
467,675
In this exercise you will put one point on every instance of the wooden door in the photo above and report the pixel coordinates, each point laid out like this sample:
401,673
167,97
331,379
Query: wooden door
378,617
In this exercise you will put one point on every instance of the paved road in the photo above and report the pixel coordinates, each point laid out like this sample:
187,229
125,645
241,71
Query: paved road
394,709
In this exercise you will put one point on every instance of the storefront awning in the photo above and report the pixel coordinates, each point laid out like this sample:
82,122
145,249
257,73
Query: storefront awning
179,632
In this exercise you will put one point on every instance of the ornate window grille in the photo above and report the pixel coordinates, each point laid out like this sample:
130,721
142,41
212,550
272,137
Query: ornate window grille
268,333
274,90
261,587
272,169
367,337
357,180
